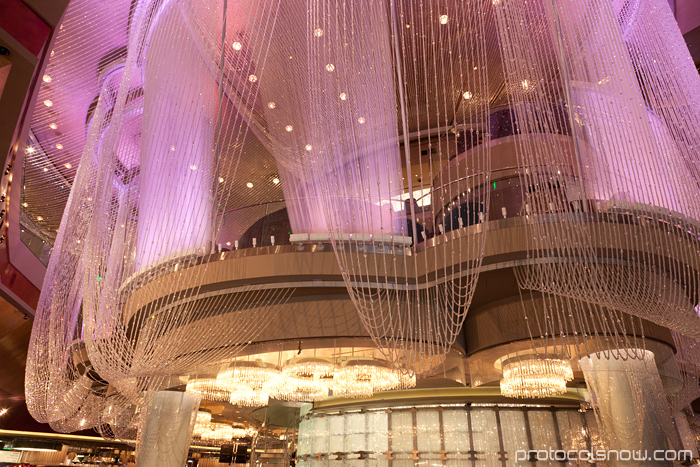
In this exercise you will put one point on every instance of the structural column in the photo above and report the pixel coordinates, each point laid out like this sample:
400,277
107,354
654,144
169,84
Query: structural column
631,404
165,436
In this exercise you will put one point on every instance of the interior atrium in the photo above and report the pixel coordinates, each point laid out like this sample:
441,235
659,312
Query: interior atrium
350,233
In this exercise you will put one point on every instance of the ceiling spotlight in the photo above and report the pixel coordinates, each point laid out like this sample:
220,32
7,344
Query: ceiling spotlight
525,84
48,103
39,218
467,95
221,179
443,19
289,128
318,32
343,96
59,146
276,181
308,147
30,150
46,169
193,167
53,126
271,105
228,243
237,45
68,165
47,79
330,67
252,78
26,205
361,120
249,184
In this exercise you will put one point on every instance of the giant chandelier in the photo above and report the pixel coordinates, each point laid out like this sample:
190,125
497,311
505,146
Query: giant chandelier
604,180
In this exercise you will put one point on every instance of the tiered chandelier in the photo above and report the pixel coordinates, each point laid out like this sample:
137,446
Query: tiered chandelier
535,377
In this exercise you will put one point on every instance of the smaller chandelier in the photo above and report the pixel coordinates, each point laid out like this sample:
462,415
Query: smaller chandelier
297,390
201,423
210,389
312,370
244,396
241,431
217,433
362,377
252,374
535,377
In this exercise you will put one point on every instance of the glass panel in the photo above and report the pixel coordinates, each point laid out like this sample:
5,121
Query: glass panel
485,433
428,431
514,435
402,432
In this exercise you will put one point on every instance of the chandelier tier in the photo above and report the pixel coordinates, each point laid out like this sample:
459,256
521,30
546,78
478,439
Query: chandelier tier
535,377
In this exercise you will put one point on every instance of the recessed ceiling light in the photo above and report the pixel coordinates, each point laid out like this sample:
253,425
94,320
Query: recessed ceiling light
30,150
275,180
443,19
467,95
67,165
193,167
289,128
53,126
318,32
249,184
237,46
330,67
308,147
221,179
26,205
252,78
48,103
271,105
46,169
361,120
343,96
39,218
59,146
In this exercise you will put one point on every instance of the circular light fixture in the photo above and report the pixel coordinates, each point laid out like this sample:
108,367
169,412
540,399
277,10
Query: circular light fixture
271,105
535,377
237,46
361,120
209,389
361,377
308,147
443,19
343,96
330,67
244,396
249,184
48,103
276,181
318,32
289,128
53,126
311,370
59,146
252,78
467,95
221,179
47,79
68,165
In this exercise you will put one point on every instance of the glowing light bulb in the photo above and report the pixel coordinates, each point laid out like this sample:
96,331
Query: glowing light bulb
308,147
30,150
443,19
249,184
53,126
26,205
361,120
48,103
330,67
59,146
276,181
68,165
46,169
237,45
221,179
47,79
252,78
271,105
318,32
39,218
467,95
343,96
525,84
193,167
289,128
